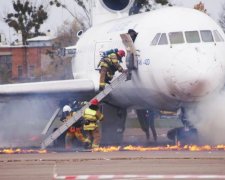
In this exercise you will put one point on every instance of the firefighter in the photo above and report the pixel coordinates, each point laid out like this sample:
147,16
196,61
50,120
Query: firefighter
76,105
75,131
109,65
150,115
92,116
147,120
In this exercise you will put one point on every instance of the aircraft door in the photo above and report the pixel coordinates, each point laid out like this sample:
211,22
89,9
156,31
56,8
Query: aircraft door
131,57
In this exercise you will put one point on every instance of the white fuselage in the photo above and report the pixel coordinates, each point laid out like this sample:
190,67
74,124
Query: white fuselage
168,74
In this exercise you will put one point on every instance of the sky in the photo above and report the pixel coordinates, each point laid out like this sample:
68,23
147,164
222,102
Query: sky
213,7
57,15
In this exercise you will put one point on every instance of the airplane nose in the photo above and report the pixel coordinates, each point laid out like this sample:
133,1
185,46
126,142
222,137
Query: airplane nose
194,74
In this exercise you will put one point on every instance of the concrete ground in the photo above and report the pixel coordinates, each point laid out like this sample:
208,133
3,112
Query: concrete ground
164,164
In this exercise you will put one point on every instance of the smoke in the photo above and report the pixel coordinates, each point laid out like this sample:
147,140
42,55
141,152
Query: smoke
22,121
209,118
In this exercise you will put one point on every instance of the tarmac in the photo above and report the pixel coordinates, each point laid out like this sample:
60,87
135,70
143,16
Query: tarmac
122,164
164,164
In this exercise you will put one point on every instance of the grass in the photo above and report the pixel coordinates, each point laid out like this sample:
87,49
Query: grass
169,122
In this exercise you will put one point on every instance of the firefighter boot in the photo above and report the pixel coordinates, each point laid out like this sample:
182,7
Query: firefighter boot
87,143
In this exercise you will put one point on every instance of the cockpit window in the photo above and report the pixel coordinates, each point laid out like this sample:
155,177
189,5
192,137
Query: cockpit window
192,36
156,39
206,36
176,37
217,36
163,39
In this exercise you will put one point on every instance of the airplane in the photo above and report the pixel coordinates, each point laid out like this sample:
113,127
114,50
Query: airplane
179,56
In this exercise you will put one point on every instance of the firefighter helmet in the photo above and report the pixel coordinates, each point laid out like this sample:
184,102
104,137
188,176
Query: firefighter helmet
121,53
67,108
94,102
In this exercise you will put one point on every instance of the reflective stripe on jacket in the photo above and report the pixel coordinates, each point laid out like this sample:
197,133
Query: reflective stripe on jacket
90,127
92,116
112,62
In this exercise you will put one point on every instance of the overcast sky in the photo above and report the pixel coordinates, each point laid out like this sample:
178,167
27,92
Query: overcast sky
57,15
213,6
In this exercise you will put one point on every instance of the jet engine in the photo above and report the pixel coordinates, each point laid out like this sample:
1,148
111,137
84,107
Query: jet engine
106,10
117,5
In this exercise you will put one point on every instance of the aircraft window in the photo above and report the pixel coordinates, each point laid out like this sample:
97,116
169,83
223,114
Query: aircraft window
192,36
163,39
206,36
176,37
156,39
217,36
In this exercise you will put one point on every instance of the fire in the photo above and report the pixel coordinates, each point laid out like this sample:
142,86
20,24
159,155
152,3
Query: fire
161,148
22,151
107,149
178,147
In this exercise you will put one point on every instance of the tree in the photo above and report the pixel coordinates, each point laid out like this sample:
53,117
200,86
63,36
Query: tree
163,2
201,7
67,33
222,18
146,5
26,18
81,3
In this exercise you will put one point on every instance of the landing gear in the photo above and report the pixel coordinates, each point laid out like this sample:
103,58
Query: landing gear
184,135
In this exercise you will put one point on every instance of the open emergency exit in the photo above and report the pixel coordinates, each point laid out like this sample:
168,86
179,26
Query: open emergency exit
132,56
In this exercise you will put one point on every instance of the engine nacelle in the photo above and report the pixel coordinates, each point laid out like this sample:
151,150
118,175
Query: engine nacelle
117,5
105,10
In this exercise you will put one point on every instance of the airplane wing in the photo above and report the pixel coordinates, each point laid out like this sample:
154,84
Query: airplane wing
46,87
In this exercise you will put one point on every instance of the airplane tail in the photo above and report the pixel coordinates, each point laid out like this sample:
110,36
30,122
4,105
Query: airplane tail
105,10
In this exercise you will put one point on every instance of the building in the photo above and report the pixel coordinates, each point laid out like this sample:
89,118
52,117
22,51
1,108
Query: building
19,63
40,41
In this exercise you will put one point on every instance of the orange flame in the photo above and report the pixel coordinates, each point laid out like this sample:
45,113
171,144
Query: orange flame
219,147
161,148
22,151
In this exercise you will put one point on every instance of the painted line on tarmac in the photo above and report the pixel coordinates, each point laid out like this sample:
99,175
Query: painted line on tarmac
99,177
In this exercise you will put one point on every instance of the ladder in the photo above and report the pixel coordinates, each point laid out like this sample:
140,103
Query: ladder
52,137
52,119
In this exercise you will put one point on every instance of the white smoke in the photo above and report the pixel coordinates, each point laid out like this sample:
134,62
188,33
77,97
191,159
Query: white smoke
209,118
22,121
